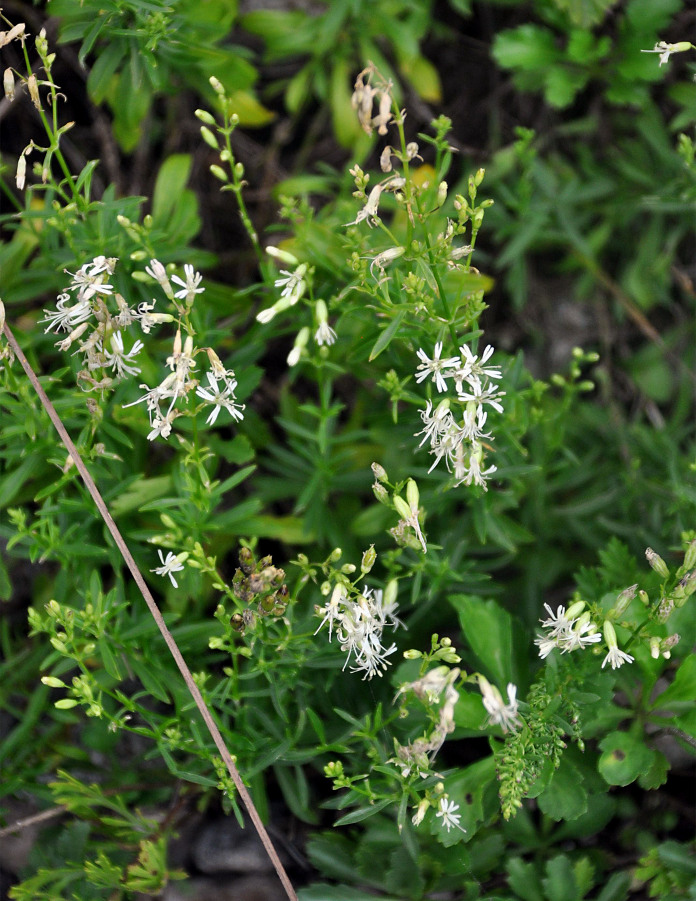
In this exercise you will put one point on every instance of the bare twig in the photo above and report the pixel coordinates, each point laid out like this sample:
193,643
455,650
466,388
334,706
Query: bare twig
157,616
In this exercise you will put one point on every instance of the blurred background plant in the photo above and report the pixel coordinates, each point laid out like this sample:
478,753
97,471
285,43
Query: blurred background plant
588,151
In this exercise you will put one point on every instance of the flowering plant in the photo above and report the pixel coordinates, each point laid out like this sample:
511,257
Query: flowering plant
355,509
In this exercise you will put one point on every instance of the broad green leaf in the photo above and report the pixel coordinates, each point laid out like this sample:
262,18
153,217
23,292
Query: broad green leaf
490,632
424,77
523,879
527,47
624,758
560,883
565,797
171,182
682,689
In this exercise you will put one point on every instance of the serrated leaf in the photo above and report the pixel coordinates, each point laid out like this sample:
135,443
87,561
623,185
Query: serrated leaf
565,797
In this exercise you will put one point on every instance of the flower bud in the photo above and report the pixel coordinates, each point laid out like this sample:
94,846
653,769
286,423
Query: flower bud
8,84
204,116
402,508
609,634
282,255
21,174
575,609
690,555
685,588
33,86
379,472
381,493
335,555
657,563
412,495
348,569
623,601
368,559
209,137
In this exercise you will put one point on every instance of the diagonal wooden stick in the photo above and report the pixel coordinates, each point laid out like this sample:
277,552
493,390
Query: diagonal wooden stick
156,614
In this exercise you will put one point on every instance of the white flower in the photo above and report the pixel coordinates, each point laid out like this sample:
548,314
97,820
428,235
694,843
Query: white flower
89,279
569,630
359,625
665,49
582,633
447,812
332,608
434,367
369,211
292,283
189,287
120,361
162,425
157,271
67,317
171,564
499,713
557,623
616,658
437,423
324,334
473,369
474,474
220,398
482,393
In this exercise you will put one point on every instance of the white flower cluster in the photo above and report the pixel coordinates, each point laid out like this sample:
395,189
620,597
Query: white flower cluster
573,629
84,312
460,442
359,623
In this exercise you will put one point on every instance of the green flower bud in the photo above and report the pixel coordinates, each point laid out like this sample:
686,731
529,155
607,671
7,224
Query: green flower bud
379,473
368,559
623,601
575,609
381,493
204,116
402,507
412,495
657,563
